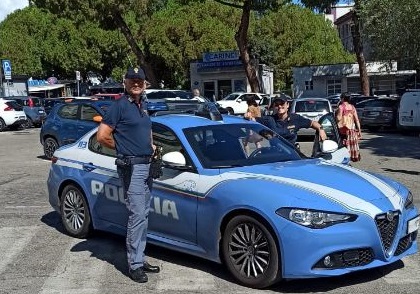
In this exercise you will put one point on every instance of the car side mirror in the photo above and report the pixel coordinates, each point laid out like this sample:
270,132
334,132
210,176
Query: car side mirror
239,100
174,159
328,146
97,118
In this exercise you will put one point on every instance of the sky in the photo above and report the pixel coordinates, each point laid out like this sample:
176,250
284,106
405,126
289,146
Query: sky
8,6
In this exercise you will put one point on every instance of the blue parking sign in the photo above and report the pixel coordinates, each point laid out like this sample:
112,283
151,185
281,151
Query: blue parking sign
7,69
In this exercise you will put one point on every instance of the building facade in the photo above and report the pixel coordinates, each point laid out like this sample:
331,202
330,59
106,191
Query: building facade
218,74
325,80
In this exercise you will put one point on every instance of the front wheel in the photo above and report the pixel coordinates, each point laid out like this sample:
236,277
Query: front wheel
250,252
75,214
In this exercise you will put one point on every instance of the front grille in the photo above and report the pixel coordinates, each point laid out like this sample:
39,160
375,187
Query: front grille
346,258
403,245
387,228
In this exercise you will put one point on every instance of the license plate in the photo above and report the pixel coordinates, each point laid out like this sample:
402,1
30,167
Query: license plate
413,224
407,118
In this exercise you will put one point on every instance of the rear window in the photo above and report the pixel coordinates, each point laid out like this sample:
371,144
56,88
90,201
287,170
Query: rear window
312,106
381,103
14,105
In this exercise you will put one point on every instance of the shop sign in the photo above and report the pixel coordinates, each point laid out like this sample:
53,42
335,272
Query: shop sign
220,56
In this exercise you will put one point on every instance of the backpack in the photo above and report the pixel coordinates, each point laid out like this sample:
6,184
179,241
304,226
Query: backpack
347,120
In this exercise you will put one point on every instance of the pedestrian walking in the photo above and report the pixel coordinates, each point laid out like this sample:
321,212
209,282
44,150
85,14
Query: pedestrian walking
349,126
127,128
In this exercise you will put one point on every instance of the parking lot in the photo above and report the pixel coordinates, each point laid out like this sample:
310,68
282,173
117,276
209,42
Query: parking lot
37,257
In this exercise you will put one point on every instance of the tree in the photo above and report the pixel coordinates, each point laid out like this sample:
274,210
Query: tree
41,44
392,29
241,36
323,5
110,14
181,33
282,42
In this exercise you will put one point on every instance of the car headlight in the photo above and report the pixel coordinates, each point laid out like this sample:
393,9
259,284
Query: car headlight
315,219
409,202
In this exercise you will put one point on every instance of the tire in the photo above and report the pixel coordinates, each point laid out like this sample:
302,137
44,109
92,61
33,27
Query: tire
50,145
2,125
28,124
75,214
241,237
230,111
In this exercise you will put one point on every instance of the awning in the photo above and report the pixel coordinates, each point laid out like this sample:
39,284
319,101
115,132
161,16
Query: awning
33,89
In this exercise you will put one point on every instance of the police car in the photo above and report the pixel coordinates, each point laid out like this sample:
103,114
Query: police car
233,192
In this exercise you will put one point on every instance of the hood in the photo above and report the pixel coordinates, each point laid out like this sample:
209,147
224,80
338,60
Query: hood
352,188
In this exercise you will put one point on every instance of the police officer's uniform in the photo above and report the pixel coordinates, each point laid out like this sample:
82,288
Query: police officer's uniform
132,136
287,128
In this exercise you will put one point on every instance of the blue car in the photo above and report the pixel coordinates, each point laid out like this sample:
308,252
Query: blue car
234,192
67,122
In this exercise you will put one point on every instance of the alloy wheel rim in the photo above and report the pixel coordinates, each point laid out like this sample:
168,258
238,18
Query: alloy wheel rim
249,250
74,210
50,148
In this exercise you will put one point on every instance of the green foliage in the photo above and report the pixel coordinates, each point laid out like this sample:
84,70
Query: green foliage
39,44
392,27
181,33
295,36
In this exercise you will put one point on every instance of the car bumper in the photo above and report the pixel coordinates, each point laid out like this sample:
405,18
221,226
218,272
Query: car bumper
305,250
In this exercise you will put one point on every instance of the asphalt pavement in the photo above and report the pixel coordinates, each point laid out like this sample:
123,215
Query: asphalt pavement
36,256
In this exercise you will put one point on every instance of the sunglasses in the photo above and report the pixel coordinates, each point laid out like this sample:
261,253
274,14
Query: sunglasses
135,81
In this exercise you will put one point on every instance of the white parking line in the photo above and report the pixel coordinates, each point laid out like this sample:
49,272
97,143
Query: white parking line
78,271
12,242
185,279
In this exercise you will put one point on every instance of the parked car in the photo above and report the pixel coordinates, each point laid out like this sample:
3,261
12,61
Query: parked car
236,104
168,100
12,114
312,108
409,111
34,110
268,214
67,122
360,106
379,113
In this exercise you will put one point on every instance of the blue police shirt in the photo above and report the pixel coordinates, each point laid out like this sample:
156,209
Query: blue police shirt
287,128
132,127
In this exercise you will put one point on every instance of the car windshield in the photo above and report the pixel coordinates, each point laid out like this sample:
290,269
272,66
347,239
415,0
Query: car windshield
233,145
381,103
232,96
312,106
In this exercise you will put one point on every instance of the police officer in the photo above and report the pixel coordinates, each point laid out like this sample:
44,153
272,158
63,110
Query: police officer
127,128
287,125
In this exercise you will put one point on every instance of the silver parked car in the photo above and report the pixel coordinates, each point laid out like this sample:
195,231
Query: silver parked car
312,108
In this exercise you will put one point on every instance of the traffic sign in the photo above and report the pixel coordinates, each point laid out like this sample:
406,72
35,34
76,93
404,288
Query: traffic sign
78,75
7,69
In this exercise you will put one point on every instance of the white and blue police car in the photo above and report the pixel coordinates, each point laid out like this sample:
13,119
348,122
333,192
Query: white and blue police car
233,192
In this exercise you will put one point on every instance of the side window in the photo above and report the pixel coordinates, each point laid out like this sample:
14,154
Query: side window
98,148
88,112
68,111
166,138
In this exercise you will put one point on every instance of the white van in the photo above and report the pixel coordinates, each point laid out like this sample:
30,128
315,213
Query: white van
409,111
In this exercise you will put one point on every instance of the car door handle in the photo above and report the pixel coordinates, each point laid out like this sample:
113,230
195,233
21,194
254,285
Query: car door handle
88,167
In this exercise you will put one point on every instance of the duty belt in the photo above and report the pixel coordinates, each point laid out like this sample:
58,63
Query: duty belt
131,160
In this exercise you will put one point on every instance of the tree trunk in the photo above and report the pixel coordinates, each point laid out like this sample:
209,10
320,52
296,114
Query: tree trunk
358,49
151,78
241,38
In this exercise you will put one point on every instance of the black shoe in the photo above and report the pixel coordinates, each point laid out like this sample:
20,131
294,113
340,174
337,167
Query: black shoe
150,268
138,275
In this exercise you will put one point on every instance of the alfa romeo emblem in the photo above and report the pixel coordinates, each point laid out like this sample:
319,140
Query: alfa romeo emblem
390,216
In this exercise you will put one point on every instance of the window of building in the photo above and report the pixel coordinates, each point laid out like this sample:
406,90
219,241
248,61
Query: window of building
309,85
333,87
